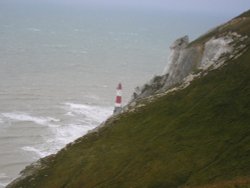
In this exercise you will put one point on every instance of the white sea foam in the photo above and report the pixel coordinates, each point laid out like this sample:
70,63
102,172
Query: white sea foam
80,118
4,178
75,121
86,117
19,116
39,152
69,133
92,113
2,185
62,136
69,114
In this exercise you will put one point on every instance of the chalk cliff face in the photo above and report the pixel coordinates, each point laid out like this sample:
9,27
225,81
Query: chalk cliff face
187,59
182,61
175,51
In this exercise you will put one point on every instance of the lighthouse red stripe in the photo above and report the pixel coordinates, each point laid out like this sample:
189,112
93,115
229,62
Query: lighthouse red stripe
118,99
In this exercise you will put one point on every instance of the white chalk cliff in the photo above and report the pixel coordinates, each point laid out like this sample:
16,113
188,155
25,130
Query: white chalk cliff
187,60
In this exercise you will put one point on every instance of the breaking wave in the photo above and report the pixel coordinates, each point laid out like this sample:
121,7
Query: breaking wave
20,116
91,113
3,178
78,119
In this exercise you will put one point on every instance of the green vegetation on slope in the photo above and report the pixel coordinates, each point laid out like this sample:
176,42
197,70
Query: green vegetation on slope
240,24
192,137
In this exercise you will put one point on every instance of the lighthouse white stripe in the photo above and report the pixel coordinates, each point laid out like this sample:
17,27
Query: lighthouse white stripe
118,105
118,92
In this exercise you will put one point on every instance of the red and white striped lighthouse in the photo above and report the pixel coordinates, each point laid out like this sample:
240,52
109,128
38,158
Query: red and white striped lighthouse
118,99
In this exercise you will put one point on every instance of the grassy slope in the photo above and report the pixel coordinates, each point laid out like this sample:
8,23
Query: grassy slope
239,24
196,136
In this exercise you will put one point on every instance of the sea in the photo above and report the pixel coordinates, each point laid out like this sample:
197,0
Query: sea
60,65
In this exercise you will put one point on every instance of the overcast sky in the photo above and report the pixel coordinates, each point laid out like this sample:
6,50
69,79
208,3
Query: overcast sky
221,6
225,7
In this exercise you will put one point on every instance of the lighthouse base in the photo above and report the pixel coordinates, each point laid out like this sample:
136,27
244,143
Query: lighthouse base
117,110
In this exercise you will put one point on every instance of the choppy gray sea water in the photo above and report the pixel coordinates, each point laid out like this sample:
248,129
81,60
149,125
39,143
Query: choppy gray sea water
59,67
